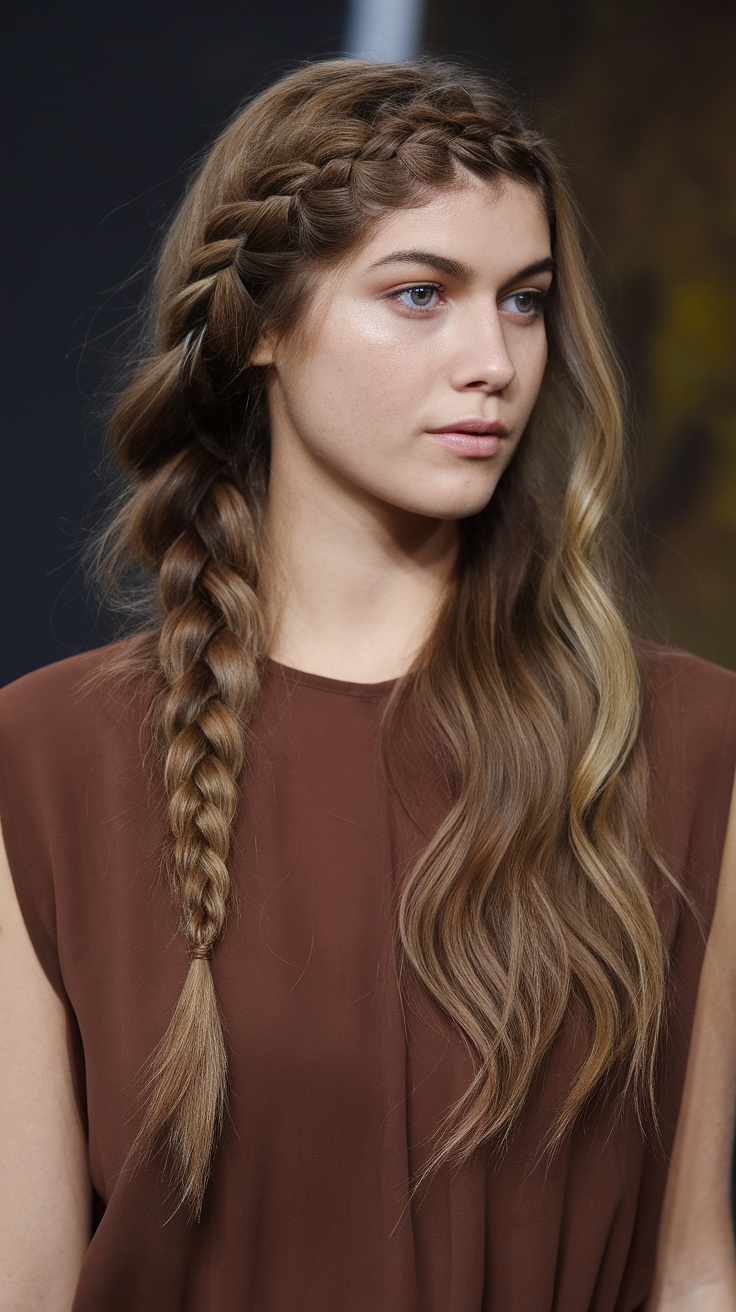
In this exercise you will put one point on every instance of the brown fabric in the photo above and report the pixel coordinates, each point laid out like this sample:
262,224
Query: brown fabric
336,1089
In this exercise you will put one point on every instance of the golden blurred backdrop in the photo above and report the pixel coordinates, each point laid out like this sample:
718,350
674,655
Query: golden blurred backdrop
640,96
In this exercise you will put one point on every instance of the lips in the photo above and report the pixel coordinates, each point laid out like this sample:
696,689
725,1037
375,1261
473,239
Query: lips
470,437
473,427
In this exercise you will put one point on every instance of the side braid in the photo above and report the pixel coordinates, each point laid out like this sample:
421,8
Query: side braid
211,644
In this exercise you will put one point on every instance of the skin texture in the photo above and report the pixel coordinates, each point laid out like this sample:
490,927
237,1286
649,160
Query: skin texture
362,527
45,1191
696,1263
363,503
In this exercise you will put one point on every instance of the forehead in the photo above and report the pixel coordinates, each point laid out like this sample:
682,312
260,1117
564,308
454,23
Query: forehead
492,228
473,221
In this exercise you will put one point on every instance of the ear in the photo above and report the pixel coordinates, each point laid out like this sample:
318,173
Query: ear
263,352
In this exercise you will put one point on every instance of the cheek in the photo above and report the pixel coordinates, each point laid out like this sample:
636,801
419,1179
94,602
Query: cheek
534,365
364,375
339,402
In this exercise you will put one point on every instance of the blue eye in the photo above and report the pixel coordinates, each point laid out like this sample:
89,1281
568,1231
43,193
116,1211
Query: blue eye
421,294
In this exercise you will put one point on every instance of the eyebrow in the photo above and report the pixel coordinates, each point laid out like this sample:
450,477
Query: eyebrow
455,269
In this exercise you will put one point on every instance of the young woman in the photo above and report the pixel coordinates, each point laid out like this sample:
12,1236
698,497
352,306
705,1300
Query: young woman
406,1023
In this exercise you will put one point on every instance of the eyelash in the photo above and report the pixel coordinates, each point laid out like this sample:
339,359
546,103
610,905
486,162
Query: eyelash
540,299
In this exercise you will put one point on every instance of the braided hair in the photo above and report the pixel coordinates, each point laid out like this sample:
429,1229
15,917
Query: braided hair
295,182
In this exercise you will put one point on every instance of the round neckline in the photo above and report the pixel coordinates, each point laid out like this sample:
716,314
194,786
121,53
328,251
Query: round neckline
326,683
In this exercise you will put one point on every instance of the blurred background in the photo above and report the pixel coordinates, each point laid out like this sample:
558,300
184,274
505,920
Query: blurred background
111,105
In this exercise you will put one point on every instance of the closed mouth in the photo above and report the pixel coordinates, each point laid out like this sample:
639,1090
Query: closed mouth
473,428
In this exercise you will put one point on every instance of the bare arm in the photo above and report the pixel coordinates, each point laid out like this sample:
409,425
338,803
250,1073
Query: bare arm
44,1183
696,1259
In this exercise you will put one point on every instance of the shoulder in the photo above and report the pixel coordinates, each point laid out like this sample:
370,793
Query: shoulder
689,731
64,724
689,703
70,765
63,698
673,674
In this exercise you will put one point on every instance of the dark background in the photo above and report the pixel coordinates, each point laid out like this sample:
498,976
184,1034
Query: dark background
110,106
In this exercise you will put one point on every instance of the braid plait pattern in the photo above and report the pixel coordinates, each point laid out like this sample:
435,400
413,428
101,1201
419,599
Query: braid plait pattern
297,210
211,623
210,645
198,530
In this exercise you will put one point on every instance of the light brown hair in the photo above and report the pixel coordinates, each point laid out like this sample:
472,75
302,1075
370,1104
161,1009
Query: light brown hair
533,889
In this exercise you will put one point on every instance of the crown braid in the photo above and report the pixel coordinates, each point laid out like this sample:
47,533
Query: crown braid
297,208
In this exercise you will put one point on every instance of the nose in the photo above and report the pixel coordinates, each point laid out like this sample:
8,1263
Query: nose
482,361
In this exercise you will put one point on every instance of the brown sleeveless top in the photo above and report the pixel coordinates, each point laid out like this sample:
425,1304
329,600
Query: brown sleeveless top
336,1087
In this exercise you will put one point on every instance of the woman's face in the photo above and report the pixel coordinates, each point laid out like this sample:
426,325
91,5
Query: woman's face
434,325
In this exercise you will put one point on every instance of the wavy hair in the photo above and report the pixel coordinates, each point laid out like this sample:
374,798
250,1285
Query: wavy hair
533,890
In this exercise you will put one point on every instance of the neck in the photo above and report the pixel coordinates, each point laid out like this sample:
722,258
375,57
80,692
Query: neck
352,586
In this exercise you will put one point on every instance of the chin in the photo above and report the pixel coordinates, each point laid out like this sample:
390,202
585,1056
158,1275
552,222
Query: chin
461,506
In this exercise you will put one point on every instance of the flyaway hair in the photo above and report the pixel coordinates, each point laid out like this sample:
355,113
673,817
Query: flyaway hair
538,886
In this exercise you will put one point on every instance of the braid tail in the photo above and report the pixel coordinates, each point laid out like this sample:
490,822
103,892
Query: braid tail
209,649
